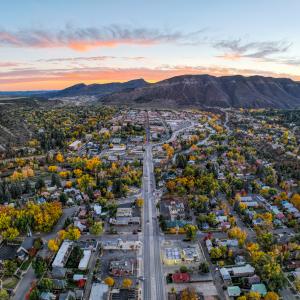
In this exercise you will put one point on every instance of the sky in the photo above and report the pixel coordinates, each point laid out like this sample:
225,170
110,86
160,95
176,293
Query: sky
53,44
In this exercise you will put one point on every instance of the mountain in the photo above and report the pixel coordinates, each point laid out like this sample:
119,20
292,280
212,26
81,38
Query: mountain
209,91
99,90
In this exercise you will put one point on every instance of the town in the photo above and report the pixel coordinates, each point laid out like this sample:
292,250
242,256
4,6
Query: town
99,202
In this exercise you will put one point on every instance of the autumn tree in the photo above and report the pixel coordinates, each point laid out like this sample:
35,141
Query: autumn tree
139,202
73,233
109,281
52,245
59,157
271,296
127,283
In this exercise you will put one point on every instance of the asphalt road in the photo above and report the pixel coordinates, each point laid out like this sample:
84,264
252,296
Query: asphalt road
153,285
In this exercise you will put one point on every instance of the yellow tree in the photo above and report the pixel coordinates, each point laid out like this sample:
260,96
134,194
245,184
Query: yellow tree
52,169
109,281
271,296
127,283
59,157
253,296
73,233
10,234
85,182
77,172
139,202
238,233
52,245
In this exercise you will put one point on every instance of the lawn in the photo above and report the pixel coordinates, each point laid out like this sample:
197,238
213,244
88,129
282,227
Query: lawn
9,283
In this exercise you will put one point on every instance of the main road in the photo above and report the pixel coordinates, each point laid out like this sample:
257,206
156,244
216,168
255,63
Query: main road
154,282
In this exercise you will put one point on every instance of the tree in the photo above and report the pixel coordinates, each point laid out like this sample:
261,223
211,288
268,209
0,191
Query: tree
139,202
253,296
4,294
191,231
238,233
271,296
85,182
96,228
215,253
55,180
59,157
109,281
52,169
52,245
127,283
45,285
73,233
183,269
27,186
39,266
40,184
204,267
10,267
10,234
181,161
63,198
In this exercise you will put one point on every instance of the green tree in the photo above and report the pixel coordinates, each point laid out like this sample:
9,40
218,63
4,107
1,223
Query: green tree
39,266
191,231
4,294
45,285
40,184
10,267
96,228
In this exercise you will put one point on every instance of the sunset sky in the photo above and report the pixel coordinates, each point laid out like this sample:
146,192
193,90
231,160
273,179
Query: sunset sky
52,44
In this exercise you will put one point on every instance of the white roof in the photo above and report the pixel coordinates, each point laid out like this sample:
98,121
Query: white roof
83,264
98,291
60,256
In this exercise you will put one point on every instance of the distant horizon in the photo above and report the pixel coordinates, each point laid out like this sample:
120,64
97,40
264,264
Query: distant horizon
148,81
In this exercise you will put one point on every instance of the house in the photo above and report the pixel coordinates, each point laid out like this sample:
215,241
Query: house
58,273
75,145
70,295
260,288
225,274
99,291
233,291
47,296
242,271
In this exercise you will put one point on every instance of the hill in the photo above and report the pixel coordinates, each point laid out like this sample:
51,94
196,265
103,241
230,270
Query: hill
210,91
99,90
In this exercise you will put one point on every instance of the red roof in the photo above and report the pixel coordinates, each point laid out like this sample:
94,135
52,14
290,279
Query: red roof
181,277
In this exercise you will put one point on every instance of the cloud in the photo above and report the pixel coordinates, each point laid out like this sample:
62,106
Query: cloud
82,39
92,58
30,79
6,64
235,49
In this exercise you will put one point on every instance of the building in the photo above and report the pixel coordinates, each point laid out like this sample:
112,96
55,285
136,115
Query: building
62,254
124,212
84,262
99,291
121,268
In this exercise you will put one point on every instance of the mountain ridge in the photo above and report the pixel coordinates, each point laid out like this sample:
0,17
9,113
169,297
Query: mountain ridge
207,90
